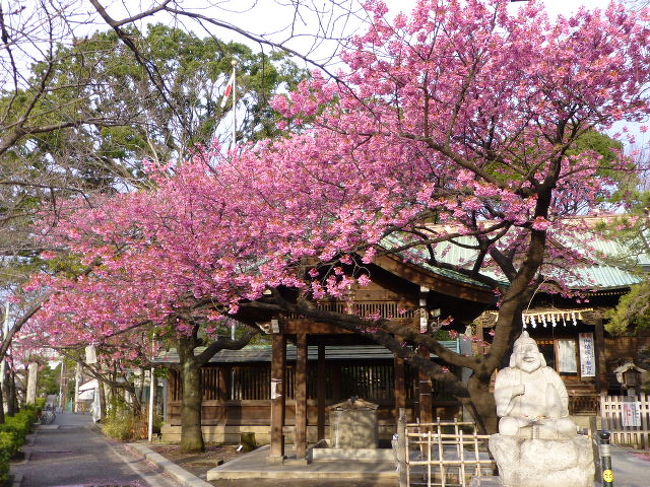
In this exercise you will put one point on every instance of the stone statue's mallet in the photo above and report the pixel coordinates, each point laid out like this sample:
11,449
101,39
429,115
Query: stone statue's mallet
606,459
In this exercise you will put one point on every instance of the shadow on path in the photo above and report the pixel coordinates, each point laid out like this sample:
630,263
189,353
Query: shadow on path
71,452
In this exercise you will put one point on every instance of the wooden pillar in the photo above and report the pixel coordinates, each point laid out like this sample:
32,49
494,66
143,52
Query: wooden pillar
601,362
278,368
336,384
320,392
223,383
300,430
426,399
400,385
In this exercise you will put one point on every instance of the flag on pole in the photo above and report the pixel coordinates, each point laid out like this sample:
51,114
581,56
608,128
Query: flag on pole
229,88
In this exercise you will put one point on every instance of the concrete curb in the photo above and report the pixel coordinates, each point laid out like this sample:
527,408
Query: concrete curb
17,480
27,457
180,475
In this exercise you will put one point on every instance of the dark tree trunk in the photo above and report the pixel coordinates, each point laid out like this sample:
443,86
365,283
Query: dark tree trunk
190,365
191,434
140,399
482,403
102,400
12,402
2,407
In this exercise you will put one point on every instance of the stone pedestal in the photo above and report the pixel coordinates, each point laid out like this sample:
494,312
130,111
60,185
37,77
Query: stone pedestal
527,462
353,424
485,481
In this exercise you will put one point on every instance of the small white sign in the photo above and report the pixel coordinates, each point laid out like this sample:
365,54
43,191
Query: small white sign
565,351
274,389
587,355
91,355
424,323
631,414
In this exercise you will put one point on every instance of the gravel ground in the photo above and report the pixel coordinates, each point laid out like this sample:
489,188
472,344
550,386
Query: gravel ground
196,463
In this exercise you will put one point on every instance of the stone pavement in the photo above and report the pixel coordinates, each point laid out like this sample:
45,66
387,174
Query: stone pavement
254,465
71,452
631,467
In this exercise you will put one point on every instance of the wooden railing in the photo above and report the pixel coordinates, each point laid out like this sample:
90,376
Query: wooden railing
627,418
374,382
583,404
442,453
384,309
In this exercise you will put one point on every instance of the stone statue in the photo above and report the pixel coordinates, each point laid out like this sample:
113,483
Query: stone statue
537,444
531,398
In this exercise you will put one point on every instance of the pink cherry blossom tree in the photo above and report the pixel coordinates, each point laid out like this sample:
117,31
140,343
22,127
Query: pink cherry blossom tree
456,124
467,115
133,281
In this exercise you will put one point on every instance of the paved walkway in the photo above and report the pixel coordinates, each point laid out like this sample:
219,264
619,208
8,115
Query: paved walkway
631,467
72,453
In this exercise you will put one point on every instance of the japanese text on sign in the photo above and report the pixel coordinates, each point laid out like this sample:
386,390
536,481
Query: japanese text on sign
631,414
587,355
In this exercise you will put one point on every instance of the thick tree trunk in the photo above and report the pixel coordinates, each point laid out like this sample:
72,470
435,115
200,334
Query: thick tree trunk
140,399
12,401
2,407
190,364
191,434
482,403
102,400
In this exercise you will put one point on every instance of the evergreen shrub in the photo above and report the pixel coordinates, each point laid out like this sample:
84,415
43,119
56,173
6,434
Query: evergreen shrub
122,425
13,434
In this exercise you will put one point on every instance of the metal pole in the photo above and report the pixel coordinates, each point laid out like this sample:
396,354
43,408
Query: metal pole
77,383
61,386
402,448
606,459
233,335
152,393
152,388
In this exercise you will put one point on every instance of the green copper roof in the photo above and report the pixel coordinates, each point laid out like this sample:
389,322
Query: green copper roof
417,256
615,268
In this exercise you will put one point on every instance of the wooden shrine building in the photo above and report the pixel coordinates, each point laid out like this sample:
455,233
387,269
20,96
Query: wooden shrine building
281,390
310,366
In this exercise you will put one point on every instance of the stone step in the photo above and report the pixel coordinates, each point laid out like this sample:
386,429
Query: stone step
370,455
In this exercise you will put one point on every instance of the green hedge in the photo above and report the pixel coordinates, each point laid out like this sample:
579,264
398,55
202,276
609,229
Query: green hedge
13,435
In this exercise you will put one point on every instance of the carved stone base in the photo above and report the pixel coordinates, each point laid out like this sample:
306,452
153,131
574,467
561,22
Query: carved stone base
486,482
539,463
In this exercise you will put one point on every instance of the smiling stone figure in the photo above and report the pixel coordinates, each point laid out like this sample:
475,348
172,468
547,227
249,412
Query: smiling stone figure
537,444
531,398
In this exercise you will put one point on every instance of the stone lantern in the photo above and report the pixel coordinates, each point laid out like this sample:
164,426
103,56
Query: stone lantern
629,376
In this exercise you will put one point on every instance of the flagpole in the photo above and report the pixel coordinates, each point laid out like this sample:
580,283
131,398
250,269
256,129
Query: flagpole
234,103
233,329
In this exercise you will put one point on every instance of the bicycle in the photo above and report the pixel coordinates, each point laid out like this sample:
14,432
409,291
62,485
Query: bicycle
47,416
